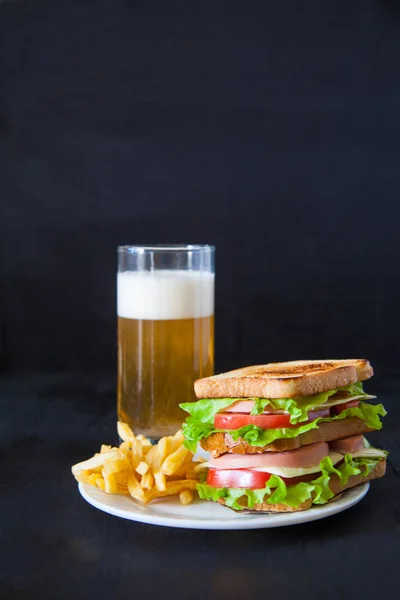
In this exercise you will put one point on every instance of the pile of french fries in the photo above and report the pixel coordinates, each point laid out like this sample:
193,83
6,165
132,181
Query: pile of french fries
141,470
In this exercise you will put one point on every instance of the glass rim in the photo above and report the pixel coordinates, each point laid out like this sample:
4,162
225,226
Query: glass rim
164,248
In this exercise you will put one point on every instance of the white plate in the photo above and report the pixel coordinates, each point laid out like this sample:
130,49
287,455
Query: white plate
209,515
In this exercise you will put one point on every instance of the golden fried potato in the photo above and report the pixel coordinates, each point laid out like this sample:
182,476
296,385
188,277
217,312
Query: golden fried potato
161,481
173,488
147,480
135,489
142,470
186,497
125,432
174,460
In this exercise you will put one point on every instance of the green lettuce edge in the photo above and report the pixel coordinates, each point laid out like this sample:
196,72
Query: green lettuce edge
195,430
205,410
277,492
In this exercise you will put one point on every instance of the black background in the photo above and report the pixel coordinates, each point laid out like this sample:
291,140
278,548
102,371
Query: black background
268,128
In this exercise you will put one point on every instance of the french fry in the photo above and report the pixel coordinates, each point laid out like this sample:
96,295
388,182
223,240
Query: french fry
134,488
114,466
144,440
122,478
164,469
100,483
146,449
173,488
125,432
142,468
174,461
186,497
92,479
136,453
125,447
96,470
157,454
98,460
160,480
190,474
110,484
152,457
178,439
180,473
147,480
164,447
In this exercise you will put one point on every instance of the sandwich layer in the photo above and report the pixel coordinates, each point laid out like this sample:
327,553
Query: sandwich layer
336,487
221,443
284,380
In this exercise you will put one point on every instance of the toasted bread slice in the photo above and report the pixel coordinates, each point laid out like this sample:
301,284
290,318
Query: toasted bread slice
334,484
284,380
223,443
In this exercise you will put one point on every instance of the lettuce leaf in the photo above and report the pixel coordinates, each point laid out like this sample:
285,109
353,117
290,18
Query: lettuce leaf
277,492
298,408
205,410
366,465
370,413
194,429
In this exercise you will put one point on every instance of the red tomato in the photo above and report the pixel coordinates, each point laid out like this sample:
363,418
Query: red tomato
341,407
249,478
237,420
237,478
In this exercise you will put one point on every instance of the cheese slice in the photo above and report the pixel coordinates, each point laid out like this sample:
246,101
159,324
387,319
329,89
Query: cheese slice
368,453
334,402
335,457
293,472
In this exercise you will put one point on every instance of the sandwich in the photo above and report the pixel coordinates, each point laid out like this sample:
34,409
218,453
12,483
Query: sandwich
285,436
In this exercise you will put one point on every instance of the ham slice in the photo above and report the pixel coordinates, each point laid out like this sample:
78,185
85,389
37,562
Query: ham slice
246,406
350,444
306,456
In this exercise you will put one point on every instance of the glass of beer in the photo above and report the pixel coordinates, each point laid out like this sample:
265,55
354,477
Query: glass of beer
165,306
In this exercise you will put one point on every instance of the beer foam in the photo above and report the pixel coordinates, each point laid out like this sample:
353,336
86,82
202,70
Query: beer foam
163,294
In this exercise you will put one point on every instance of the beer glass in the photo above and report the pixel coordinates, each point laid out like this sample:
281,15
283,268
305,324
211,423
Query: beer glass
165,306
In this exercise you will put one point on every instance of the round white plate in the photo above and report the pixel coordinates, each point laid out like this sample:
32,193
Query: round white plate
209,515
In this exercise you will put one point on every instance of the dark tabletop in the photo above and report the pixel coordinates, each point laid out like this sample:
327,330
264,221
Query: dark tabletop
55,545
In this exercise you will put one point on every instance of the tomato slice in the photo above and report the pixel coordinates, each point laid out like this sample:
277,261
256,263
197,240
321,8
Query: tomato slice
237,478
225,420
341,407
237,420
249,479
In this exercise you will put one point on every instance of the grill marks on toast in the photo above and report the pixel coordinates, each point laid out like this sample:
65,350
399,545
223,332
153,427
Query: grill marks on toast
284,380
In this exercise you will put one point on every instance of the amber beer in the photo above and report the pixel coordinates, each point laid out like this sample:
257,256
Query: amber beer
165,342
